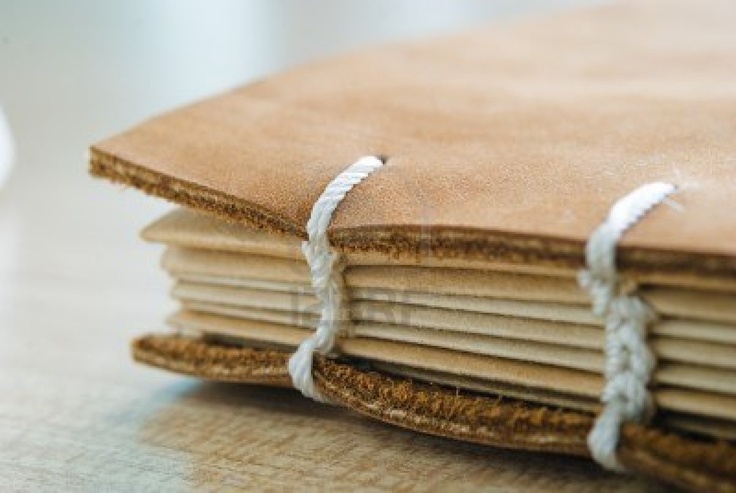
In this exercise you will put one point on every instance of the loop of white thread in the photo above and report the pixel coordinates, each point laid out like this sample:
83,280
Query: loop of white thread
327,278
629,361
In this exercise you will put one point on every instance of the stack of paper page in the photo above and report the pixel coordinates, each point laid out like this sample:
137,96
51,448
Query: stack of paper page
502,329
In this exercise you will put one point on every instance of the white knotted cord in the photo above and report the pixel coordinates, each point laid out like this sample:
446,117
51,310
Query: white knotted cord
629,361
327,278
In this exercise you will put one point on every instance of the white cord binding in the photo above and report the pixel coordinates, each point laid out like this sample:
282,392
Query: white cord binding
629,361
327,278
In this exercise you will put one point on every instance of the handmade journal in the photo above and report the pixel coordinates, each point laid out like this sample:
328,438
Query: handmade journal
522,236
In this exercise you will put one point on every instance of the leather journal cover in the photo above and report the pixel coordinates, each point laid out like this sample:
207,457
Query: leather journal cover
504,149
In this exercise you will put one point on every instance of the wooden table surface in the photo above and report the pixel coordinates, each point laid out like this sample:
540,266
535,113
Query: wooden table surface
76,284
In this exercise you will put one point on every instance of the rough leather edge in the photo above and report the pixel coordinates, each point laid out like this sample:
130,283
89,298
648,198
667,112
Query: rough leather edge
441,243
695,465
436,410
212,361
187,194
689,463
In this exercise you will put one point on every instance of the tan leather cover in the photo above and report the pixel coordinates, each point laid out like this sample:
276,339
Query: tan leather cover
505,142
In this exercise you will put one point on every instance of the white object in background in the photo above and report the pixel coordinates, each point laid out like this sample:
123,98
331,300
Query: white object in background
6,149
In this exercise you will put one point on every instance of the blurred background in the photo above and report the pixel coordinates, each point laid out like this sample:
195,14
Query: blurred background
76,283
